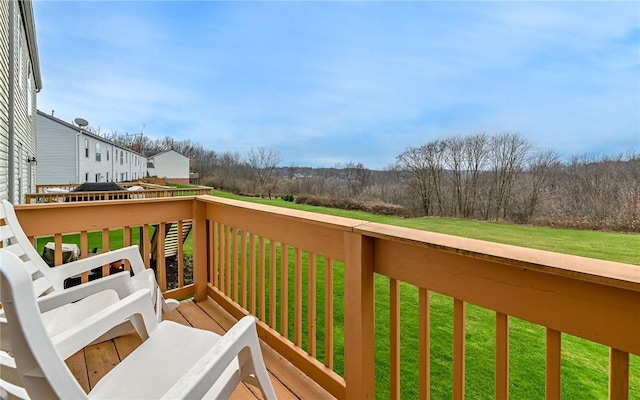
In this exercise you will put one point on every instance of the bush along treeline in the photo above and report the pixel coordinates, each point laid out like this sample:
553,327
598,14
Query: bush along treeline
495,177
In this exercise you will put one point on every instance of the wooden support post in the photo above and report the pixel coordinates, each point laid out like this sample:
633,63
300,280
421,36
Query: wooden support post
359,327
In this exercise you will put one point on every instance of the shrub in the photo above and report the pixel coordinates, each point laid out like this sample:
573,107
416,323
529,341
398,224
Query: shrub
343,203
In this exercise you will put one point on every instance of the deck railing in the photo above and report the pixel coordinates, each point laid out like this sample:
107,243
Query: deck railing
149,191
312,281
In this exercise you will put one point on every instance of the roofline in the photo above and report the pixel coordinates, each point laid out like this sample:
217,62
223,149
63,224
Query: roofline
26,8
91,134
166,151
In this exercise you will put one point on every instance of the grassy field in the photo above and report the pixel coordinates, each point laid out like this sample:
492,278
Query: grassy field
584,364
620,247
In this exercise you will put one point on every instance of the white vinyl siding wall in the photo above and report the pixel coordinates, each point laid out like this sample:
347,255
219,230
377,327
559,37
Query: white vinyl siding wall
24,95
171,165
56,153
4,99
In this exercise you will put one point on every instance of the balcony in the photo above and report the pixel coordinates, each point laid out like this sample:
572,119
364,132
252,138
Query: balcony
61,193
333,295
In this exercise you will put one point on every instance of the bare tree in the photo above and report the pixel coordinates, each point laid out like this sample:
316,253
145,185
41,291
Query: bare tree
358,178
506,155
540,165
425,166
263,162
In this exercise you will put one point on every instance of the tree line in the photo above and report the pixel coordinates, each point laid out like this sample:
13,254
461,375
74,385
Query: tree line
497,177
506,177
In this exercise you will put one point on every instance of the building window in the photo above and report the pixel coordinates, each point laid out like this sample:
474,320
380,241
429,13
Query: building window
107,155
97,177
98,153
86,177
127,158
86,148
107,180
121,157
122,176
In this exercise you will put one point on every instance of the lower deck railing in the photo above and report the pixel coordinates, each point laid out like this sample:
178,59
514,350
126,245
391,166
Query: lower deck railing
362,307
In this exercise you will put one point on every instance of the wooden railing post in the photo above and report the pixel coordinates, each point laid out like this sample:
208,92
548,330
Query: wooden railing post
359,347
199,250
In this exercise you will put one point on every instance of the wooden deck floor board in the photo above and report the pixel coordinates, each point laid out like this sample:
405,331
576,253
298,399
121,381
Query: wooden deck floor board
92,363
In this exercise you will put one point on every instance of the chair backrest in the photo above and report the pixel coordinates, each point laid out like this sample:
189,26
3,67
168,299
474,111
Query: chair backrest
39,367
13,238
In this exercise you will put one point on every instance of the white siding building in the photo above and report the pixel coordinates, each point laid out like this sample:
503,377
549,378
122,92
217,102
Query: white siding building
69,154
170,165
20,80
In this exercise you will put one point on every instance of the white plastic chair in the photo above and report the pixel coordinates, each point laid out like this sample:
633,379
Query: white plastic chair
175,362
51,280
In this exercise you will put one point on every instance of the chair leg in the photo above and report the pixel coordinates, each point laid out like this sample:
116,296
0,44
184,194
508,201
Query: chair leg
258,369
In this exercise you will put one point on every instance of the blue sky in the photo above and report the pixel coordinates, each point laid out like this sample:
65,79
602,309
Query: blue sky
337,82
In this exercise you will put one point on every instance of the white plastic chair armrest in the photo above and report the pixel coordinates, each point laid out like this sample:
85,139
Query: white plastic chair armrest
136,307
87,264
204,373
120,282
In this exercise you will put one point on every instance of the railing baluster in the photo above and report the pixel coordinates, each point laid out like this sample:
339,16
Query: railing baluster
212,252
243,270
618,375
106,248
394,337
228,234
201,258
146,245
502,356
222,264
57,255
312,304
261,285
161,271
425,344
284,290
180,256
235,255
328,313
297,336
252,268
553,364
272,284
84,252
459,333
128,234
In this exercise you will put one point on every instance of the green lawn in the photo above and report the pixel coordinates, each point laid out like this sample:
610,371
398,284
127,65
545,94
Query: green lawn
584,364
610,246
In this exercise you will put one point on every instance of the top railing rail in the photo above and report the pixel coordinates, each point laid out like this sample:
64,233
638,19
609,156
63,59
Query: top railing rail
65,193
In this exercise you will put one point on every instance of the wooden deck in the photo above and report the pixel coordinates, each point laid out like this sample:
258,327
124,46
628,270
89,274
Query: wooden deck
93,362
